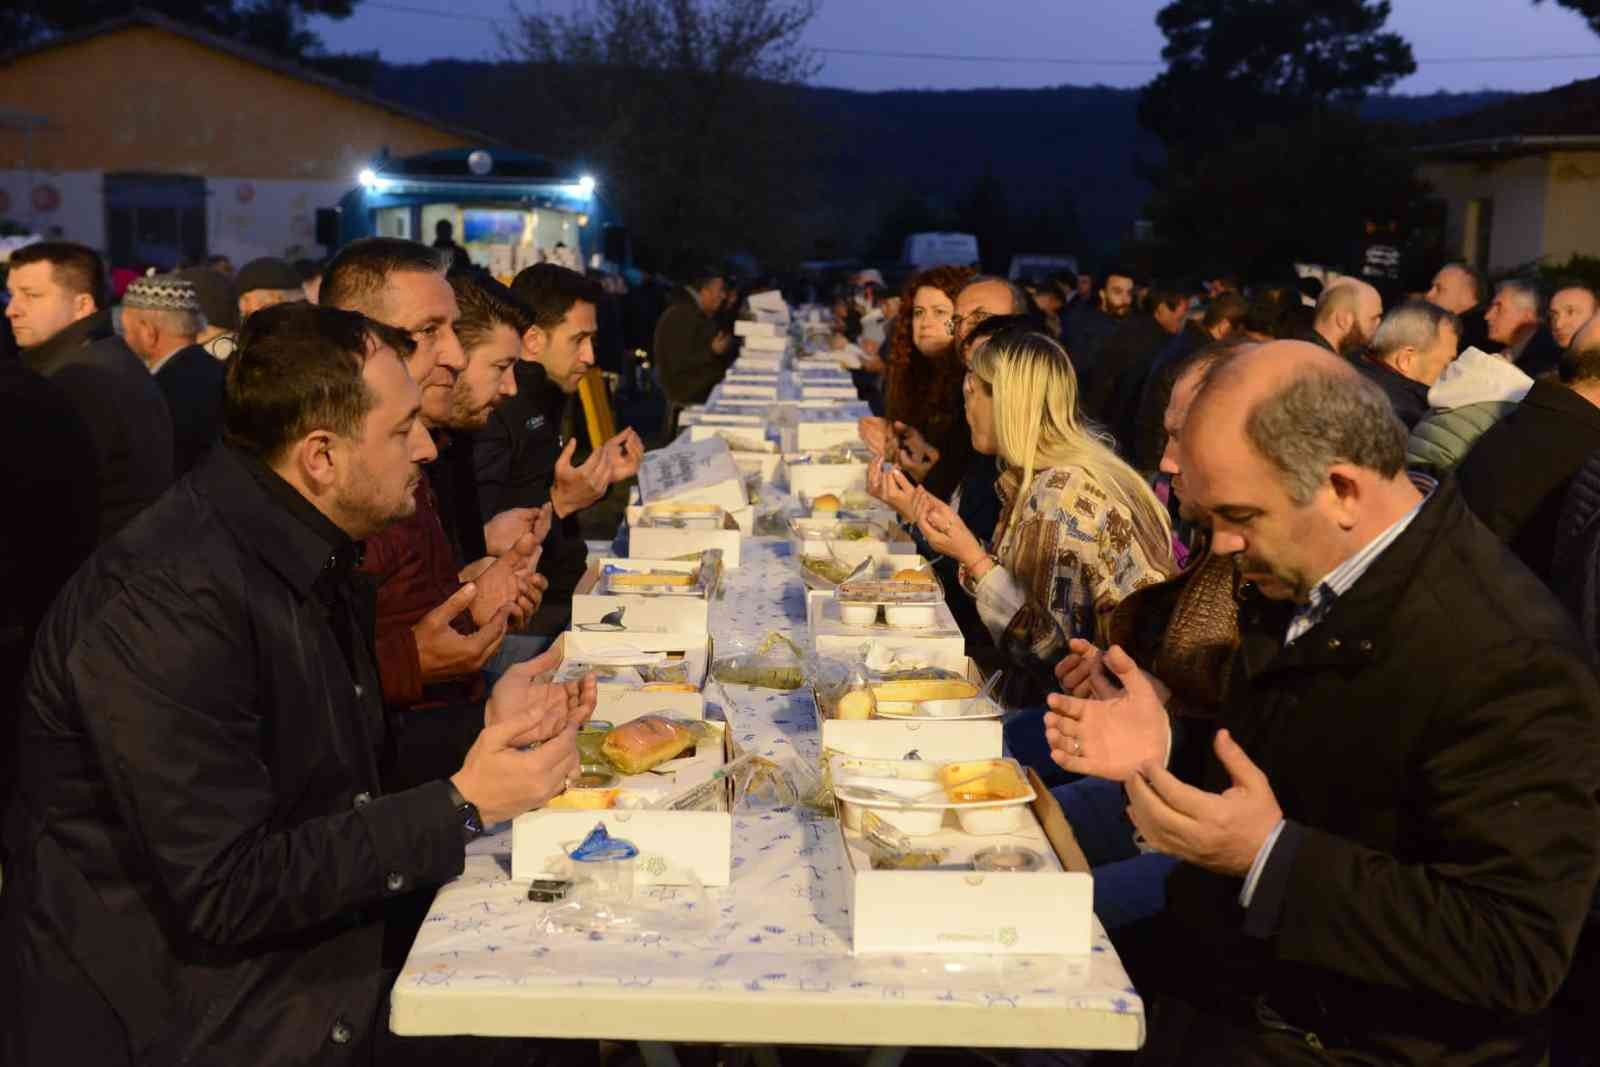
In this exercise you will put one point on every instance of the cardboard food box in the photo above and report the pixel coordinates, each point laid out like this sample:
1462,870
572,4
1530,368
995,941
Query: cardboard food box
832,636
686,612
693,649
814,479
693,472
740,439
675,847
666,542
759,343
746,328
743,388
814,537
704,417
930,739
1033,913
770,362
824,391
819,429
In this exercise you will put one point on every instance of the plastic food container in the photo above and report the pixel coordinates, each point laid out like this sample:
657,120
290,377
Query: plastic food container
858,614
590,736
973,708
1007,858
909,616
606,863
982,781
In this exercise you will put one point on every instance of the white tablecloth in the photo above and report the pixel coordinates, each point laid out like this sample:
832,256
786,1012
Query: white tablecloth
766,959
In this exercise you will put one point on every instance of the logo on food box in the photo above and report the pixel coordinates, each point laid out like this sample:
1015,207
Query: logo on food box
1008,936
654,865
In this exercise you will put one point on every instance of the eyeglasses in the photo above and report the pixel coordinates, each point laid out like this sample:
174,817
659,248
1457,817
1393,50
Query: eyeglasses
971,318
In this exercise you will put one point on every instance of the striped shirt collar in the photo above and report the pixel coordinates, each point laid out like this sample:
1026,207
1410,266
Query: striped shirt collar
1339,580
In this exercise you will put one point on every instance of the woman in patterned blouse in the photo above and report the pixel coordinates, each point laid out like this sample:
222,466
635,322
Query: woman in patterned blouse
1079,529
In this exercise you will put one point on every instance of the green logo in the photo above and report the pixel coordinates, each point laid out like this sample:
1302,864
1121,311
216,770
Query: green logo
655,865
1008,936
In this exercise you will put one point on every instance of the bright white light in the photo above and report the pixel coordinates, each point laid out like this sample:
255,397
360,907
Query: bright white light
587,184
367,178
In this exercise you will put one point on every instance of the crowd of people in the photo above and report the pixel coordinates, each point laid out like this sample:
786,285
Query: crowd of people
1293,589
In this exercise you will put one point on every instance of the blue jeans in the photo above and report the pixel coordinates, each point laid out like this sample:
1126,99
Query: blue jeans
1129,885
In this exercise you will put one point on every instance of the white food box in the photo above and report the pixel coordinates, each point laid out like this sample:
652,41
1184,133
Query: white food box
746,328
768,362
744,388
666,542
694,647
1048,912
675,847
695,472
704,417
757,343
929,739
831,636
764,464
809,392
808,538
667,612
815,479
740,439
811,434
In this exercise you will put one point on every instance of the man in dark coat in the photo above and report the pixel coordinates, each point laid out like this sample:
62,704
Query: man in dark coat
161,320
1413,345
1223,318
524,455
202,851
1394,844
1090,322
690,352
1109,390
1516,477
56,292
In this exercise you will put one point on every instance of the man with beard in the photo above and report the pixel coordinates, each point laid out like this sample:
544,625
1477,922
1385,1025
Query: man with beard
439,617
204,851
1347,316
1396,838
524,456
1090,323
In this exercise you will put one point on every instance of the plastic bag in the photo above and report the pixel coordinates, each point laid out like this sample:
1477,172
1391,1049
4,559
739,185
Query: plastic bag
647,742
777,663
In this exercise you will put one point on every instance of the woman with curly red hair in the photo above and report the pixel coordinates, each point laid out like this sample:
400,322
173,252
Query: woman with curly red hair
922,402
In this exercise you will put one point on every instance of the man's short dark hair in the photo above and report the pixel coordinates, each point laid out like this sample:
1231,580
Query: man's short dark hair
548,291
1164,295
76,268
360,271
298,369
1563,284
308,269
485,304
703,275
1227,307
1105,276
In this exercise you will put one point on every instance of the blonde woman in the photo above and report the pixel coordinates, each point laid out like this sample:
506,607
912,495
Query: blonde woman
1079,529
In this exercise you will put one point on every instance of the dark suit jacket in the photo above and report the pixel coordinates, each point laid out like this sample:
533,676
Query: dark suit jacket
202,854
682,351
1434,743
121,406
1408,398
192,383
1515,478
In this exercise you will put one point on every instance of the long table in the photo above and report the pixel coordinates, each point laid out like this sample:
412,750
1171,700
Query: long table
765,960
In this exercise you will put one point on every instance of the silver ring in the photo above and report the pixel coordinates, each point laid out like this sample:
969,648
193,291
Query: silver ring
1077,746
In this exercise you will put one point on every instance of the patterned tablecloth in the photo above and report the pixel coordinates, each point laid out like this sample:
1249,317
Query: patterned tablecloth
766,959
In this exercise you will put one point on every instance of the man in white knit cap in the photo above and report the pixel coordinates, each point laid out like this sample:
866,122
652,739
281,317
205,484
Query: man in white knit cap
161,321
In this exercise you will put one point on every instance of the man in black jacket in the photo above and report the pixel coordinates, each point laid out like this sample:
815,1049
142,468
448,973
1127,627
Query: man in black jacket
1396,839
1413,345
1111,390
1516,477
161,321
691,353
65,334
524,455
201,848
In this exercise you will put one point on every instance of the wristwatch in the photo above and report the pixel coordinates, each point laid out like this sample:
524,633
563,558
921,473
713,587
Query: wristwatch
467,811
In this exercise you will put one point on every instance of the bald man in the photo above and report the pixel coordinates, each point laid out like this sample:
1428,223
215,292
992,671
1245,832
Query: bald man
1396,838
1347,316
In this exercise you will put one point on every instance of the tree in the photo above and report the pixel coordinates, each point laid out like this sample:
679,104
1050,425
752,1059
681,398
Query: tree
1235,64
277,26
685,111
1589,9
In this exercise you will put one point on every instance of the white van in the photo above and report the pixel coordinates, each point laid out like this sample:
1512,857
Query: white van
924,250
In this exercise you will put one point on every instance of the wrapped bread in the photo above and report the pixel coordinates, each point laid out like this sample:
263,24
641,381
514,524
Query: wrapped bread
646,742
825,502
912,575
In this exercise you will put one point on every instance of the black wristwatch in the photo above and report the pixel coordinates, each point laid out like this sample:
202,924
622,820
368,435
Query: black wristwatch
467,811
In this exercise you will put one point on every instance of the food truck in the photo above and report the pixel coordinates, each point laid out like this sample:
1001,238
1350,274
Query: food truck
507,209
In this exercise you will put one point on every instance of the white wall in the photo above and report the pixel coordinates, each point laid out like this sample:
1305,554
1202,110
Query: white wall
277,216
1517,187
82,214
1572,206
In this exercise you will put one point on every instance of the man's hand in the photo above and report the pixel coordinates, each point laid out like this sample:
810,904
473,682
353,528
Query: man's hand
916,456
575,488
1082,673
507,580
1221,832
1109,737
626,449
539,706
944,531
504,780
720,343
442,652
502,531
891,487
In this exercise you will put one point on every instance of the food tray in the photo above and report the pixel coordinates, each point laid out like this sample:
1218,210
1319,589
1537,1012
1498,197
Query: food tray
879,591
